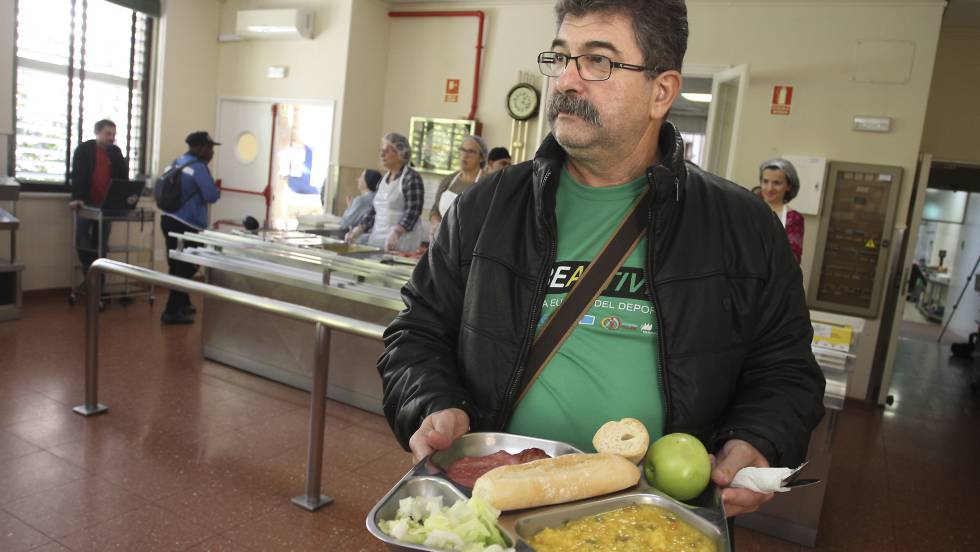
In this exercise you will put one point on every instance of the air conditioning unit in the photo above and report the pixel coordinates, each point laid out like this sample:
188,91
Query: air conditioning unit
275,24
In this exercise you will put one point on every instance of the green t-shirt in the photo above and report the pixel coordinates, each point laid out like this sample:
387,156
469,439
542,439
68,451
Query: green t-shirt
607,368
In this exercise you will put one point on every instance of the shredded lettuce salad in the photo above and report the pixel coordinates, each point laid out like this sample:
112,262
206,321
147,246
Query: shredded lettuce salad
466,526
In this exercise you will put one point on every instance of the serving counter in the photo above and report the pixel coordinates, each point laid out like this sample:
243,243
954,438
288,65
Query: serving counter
318,272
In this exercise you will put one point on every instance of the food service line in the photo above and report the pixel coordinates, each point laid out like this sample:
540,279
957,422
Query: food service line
312,499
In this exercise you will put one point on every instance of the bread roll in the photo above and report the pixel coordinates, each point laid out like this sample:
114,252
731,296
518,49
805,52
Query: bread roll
555,480
627,438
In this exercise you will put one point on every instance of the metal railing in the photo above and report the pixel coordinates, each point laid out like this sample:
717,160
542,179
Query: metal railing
325,322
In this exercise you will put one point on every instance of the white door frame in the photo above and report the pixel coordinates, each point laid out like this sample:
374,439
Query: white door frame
740,72
912,232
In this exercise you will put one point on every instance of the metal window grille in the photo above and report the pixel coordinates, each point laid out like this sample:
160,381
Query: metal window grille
78,61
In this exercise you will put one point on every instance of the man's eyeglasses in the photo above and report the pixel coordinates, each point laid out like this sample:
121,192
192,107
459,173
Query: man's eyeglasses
469,151
591,67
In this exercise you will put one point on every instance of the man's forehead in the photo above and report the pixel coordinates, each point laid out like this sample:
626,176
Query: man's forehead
613,32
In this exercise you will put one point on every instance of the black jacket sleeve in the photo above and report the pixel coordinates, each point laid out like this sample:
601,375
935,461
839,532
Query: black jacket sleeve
419,365
119,164
81,172
779,396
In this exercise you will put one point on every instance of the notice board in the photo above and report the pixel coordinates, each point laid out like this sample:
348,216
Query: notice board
854,240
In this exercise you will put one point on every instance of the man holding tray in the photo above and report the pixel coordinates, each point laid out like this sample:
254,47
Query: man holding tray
607,279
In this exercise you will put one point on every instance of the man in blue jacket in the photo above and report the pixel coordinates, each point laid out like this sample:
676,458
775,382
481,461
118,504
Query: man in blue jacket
198,190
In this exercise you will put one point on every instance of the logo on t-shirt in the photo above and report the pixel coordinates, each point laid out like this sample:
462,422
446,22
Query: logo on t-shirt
628,283
611,323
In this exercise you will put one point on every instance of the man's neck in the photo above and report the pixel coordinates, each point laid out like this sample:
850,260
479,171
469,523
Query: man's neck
471,175
616,167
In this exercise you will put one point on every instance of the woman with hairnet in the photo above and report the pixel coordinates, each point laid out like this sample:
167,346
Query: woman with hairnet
472,161
780,184
393,222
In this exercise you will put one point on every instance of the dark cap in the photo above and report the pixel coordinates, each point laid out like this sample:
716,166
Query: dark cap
372,178
498,153
200,138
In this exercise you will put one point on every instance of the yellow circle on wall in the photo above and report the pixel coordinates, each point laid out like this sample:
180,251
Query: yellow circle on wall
247,147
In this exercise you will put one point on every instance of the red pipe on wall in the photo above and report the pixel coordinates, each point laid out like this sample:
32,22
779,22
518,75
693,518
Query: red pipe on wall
479,43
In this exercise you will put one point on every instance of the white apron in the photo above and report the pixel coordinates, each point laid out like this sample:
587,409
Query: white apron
389,205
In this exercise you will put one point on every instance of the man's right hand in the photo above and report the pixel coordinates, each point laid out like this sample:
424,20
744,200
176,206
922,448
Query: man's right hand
354,233
438,431
75,204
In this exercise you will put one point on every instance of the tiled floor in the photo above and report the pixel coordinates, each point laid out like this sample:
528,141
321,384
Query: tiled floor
197,456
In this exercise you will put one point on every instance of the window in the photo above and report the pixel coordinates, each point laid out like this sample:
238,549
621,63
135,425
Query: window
78,61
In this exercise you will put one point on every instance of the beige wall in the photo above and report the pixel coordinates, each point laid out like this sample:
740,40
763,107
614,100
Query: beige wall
186,81
952,129
424,52
811,46
807,44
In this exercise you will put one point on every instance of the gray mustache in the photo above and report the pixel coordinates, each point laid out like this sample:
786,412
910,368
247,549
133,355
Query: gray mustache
573,105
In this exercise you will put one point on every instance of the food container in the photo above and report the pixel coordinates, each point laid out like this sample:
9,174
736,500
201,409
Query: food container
428,478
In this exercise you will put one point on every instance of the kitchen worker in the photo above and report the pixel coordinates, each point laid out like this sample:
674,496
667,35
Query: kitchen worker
704,329
393,223
498,158
472,164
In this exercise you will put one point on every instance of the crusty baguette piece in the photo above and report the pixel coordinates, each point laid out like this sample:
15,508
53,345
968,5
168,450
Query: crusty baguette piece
627,438
555,480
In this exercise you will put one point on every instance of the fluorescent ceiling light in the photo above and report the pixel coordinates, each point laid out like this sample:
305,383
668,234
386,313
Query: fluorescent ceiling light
696,97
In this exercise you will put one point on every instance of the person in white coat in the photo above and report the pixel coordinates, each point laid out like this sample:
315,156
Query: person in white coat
393,222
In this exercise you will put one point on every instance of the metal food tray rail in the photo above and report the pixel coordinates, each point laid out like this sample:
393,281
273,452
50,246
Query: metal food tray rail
428,478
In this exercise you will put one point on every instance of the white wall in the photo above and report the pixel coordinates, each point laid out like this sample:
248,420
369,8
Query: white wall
964,320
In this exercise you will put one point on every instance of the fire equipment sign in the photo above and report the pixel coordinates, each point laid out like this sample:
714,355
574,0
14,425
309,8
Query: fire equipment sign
452,90
782,97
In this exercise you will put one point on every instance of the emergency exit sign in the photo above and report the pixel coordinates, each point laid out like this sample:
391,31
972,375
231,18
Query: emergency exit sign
782,99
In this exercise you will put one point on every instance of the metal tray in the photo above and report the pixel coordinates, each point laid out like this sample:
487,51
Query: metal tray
428,478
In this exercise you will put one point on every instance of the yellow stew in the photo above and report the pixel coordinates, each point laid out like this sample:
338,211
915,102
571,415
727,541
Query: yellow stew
637,528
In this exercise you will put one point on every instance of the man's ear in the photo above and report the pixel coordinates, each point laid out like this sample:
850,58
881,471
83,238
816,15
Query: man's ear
667,86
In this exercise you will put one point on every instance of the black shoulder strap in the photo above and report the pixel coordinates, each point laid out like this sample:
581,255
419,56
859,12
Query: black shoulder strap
595,279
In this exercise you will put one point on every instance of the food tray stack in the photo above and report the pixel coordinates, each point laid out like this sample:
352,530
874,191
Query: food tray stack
428,478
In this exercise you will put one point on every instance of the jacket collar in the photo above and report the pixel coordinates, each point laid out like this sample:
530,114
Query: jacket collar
668,176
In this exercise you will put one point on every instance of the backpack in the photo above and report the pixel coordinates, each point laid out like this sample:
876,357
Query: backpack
167,189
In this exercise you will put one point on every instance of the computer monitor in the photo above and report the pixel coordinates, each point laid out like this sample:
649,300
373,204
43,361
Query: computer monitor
122,195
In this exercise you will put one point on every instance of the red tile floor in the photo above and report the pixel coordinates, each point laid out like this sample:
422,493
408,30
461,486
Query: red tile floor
197,456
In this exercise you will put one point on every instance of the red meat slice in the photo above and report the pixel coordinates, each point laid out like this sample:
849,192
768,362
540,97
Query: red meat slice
467,470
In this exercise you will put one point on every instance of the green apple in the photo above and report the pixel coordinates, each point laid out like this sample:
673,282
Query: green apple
678,464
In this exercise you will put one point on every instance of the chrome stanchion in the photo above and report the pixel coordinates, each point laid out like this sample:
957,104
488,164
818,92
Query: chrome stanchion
324,321
313,500
94,294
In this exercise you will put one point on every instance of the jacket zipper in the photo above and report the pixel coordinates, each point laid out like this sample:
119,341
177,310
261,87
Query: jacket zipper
503,417
661,358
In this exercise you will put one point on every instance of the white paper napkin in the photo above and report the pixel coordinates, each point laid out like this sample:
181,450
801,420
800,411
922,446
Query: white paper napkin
762,480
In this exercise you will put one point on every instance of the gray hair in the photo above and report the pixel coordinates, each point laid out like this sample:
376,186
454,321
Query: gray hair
484,151
401,145
660,26
791,177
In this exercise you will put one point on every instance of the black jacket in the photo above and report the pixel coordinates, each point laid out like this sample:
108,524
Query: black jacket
83,163
734,328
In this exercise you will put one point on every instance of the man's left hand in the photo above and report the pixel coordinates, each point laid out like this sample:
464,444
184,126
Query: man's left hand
735,455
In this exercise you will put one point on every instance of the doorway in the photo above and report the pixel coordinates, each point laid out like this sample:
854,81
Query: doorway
953,295
274,161
707,113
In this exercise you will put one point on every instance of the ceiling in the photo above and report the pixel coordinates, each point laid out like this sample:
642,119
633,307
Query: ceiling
960,14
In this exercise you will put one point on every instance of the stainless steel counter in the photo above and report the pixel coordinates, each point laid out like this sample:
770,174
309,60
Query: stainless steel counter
305,269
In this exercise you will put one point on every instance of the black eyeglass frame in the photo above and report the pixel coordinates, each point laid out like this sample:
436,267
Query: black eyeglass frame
612,65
